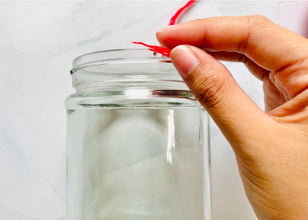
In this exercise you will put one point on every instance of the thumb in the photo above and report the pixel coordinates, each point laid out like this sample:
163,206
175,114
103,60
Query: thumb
234,112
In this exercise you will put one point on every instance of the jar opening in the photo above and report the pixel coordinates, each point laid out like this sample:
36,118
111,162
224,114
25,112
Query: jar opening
127,78
137,68
115,57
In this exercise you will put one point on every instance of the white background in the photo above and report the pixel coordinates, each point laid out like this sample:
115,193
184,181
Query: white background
38,41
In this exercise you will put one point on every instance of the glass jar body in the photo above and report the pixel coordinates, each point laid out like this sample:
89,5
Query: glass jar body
136,151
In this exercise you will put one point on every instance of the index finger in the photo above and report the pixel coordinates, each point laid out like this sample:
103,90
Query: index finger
266,43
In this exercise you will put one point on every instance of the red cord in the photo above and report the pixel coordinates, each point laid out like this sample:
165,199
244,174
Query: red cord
179,12
162,50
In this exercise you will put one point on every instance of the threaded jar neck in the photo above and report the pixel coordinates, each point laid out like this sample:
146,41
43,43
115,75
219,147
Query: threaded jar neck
118,69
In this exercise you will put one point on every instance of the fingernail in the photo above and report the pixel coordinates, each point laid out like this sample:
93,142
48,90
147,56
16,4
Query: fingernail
184,60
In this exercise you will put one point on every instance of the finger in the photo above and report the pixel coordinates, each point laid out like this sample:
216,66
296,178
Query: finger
255,69
267,44
272,96
212,84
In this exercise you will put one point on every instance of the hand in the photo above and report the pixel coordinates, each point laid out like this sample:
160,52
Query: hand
271,147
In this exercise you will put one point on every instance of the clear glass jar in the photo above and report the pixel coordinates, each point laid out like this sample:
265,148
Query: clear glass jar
137,141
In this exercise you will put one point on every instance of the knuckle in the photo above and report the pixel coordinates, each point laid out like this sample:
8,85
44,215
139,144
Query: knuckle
257,20
208,89
252,23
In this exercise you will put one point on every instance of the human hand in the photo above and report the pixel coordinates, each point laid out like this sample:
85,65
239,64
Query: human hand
271,147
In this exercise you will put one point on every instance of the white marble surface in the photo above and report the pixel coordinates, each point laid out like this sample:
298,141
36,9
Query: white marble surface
38,41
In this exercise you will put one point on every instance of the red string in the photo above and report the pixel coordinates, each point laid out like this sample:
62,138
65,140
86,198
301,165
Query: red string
179,12
162,50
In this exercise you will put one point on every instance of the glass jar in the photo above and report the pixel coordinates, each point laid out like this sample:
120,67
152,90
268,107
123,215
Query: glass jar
137,141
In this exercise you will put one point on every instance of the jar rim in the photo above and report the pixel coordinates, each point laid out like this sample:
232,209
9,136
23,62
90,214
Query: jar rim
119,55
